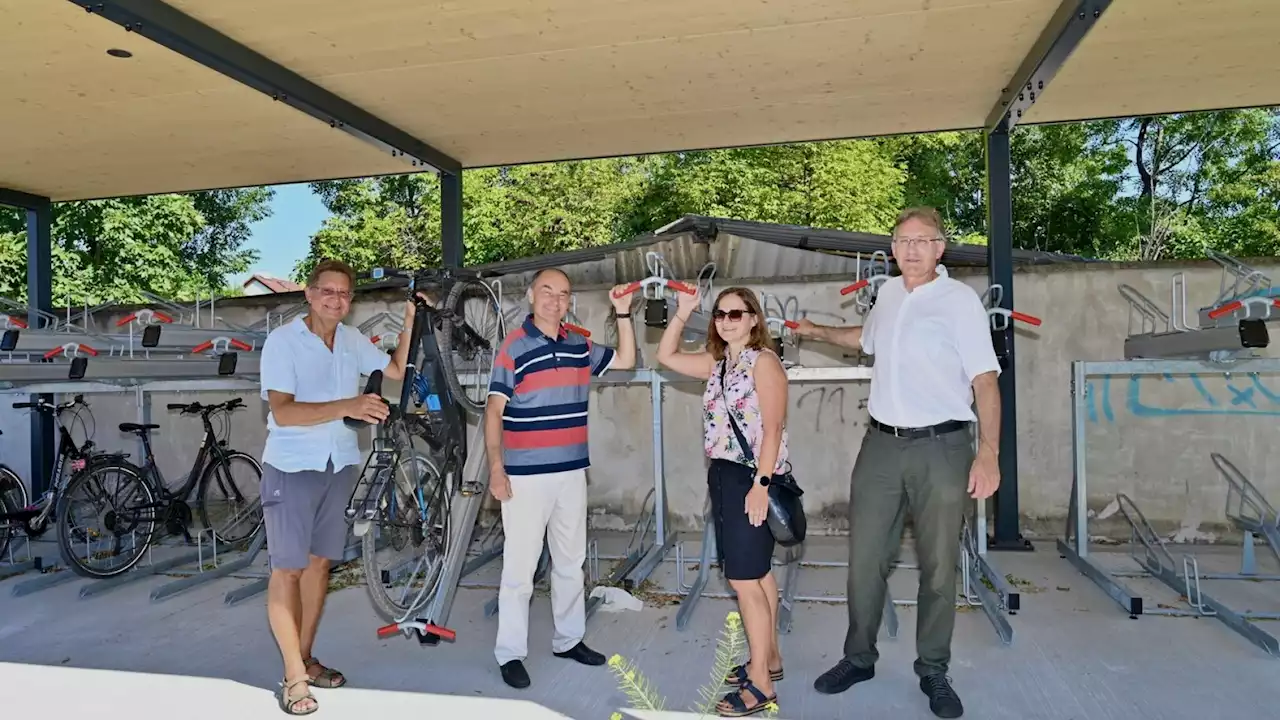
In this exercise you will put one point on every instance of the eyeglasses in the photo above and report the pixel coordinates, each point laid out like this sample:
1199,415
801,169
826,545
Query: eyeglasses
913,242
734,315
332,293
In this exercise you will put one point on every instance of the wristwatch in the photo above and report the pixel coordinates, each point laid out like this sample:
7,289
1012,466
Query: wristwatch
623,316
763,480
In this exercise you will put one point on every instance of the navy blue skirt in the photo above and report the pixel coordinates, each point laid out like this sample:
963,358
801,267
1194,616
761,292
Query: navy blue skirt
745,551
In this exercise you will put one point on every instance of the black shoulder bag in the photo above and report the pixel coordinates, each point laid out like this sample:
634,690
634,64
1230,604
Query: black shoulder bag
786,517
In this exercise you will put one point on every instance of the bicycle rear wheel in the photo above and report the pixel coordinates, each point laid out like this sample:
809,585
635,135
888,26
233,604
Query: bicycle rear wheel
472,334
404,551
106,520
230,499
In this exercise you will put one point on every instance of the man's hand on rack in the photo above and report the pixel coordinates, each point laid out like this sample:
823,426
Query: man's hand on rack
499,483
410,309
620,304
370,408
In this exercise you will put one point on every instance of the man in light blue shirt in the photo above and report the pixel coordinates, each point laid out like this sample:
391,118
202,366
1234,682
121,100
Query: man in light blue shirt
310,371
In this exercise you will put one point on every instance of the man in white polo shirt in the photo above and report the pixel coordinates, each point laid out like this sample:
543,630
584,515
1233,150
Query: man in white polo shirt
934,360
311,370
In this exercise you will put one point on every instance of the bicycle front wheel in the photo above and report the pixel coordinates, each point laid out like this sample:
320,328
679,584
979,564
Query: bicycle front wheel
472,334
405,549
230,497
106,520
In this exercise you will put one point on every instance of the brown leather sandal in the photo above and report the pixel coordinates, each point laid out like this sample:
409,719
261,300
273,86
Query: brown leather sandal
328,677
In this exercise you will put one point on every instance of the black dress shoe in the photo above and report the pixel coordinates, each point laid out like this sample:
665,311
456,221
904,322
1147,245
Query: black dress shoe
582,654
842,677
514,674
943,700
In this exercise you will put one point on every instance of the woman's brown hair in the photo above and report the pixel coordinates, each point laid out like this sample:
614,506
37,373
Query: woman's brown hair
759,338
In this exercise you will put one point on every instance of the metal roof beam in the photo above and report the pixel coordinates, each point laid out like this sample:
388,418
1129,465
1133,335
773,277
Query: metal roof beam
189,37
21,200
1068,26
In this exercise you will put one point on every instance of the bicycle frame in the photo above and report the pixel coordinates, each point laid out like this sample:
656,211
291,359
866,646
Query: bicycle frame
68,452
211,451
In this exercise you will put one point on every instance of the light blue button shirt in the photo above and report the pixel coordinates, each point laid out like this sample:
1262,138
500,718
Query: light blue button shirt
296,361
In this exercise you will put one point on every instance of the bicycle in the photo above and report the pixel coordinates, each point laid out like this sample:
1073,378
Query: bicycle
403,500
17,512
141,501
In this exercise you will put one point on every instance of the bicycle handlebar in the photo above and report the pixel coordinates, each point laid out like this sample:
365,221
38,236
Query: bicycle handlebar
43,406
195,407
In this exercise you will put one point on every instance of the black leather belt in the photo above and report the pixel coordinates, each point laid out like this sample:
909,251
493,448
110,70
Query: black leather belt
941,428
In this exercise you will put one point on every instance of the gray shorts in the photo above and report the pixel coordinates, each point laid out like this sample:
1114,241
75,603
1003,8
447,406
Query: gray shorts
305,514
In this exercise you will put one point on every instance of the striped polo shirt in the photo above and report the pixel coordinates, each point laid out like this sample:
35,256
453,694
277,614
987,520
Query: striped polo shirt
546,383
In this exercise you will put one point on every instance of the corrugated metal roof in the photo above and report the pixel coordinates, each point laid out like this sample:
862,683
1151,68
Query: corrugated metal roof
739,248
809,238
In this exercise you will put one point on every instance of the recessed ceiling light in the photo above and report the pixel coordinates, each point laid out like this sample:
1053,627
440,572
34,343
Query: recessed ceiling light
117,52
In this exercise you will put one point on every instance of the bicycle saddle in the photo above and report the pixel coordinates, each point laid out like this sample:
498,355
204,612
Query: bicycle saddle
372,387
136,428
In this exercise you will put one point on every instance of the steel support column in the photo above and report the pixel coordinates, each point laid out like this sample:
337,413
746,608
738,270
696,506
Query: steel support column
39,297
1062,35
1000,272
454,250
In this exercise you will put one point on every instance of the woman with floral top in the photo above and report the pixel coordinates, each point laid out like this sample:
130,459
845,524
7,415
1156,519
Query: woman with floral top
745,381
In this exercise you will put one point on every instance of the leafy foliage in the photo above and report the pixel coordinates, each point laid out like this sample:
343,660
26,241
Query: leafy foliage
114,250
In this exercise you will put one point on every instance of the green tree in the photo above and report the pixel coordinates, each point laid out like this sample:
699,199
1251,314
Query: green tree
114,250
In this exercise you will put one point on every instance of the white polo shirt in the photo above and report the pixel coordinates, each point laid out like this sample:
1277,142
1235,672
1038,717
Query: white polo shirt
929,344
296,361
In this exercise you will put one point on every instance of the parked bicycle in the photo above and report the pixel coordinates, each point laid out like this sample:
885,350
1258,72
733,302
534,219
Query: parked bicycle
402,504
134,503
18,515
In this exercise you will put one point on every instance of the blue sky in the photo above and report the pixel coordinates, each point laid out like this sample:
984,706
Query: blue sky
283,239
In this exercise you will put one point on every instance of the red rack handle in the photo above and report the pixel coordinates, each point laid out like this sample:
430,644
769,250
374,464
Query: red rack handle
630,288
854,287
681,287
208,344
63,348
791,324
17,322
1230,307
578,329
1023,317
444,633
134,316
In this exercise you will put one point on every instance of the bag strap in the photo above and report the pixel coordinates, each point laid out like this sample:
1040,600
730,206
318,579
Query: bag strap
742,440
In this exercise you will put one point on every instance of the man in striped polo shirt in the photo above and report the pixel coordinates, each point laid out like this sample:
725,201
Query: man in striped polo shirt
535,428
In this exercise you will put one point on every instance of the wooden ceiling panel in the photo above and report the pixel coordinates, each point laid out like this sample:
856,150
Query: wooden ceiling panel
79,123
470,78
1149,57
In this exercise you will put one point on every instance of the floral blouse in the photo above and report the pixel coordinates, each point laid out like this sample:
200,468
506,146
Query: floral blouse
740,391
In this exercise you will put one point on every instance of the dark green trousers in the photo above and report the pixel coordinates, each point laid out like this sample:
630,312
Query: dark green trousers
928,478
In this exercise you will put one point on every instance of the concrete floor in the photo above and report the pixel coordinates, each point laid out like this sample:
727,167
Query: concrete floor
1075,654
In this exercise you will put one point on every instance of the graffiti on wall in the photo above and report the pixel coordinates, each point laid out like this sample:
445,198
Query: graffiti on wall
1168,395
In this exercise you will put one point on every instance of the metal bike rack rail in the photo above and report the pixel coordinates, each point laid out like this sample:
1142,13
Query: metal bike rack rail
1155,560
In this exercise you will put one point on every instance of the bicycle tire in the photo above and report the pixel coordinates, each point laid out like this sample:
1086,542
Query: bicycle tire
65,542
454,305
13,497
386,607
206,482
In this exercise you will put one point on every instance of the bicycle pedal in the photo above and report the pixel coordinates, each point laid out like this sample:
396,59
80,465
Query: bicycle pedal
468,489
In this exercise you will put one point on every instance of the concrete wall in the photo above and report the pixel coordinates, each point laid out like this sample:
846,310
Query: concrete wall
1150,438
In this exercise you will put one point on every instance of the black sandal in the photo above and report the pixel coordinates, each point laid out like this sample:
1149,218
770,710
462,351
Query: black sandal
738,675
290,706
739,707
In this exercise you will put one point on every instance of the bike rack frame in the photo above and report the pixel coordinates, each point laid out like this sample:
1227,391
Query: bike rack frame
1156,561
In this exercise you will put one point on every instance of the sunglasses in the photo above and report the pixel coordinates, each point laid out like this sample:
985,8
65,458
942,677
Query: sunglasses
734,315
